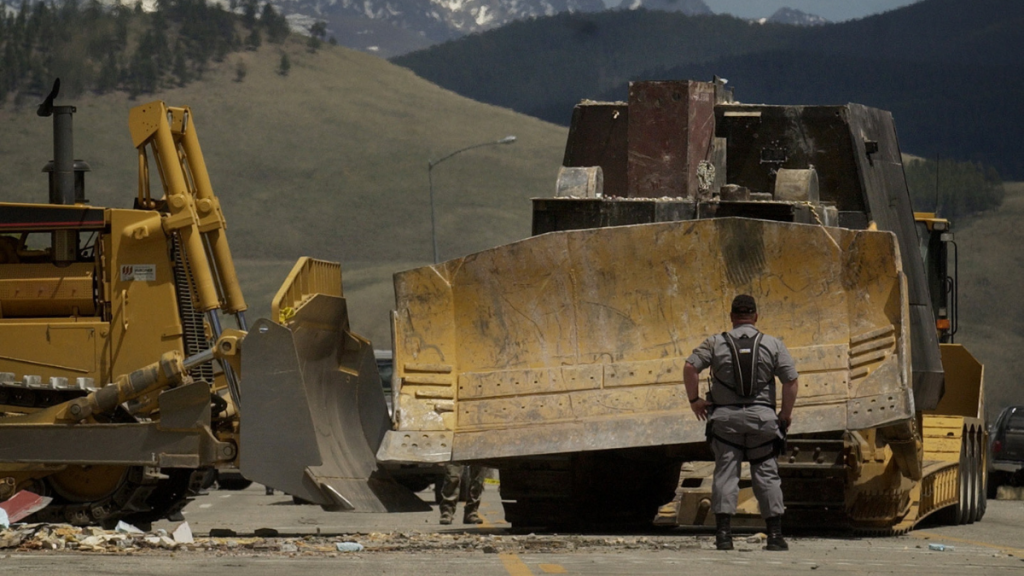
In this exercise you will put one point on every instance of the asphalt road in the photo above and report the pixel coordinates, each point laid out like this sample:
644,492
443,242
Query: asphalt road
416,544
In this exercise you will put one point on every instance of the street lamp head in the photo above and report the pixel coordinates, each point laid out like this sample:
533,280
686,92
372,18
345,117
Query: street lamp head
430,180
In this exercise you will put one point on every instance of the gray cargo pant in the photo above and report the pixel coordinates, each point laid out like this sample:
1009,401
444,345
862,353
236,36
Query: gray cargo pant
745,433
452,483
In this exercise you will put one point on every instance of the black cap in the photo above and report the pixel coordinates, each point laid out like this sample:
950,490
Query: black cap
744,304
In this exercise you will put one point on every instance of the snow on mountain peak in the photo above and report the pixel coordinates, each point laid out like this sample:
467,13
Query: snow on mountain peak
795,17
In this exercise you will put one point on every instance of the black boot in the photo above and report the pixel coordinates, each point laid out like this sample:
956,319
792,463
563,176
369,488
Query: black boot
775,539
723,531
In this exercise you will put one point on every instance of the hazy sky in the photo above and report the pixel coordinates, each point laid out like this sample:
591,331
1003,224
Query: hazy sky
834,10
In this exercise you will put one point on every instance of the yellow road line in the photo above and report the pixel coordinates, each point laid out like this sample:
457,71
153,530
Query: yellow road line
1019,552
514,565
486,523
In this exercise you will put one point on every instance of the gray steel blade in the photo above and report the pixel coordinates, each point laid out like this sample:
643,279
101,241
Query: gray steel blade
320,364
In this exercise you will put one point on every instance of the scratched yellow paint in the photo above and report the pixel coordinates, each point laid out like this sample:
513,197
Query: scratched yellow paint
552,568
590,326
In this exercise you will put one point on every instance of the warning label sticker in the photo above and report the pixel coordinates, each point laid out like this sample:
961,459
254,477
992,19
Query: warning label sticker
138,272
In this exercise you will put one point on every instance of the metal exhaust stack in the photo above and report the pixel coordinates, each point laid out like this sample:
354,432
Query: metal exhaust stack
81,167
62,177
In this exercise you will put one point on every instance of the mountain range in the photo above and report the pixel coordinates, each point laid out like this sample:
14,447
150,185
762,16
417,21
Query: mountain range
390,28
794,17
951,71
393,27
688,7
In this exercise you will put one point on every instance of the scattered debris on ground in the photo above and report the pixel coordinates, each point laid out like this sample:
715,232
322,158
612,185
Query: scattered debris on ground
127,539
21,505
1010,493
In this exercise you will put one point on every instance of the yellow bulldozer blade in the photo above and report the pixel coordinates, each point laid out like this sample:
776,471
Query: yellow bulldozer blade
313,412
575,341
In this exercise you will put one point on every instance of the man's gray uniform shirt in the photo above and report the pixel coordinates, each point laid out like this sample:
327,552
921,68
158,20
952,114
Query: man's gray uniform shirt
774,361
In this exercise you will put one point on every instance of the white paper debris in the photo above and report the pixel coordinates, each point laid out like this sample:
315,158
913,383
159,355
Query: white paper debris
126,528
349,547
183,534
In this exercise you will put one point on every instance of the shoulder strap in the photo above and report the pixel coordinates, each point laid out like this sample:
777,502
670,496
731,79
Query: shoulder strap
744,376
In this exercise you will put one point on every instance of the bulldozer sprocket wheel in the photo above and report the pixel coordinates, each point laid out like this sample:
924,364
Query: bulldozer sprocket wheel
140,499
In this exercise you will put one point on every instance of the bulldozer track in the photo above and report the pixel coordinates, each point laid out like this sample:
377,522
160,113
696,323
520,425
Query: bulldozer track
142,498
898,530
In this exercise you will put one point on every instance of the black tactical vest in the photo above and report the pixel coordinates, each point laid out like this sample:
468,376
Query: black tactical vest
745,358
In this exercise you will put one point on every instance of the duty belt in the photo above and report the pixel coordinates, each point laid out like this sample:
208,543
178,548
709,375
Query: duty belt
779,443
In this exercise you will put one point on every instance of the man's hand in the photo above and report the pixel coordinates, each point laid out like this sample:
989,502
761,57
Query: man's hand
784,422
700,408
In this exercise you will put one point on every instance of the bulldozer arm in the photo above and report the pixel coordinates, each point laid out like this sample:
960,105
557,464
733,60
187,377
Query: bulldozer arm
313,411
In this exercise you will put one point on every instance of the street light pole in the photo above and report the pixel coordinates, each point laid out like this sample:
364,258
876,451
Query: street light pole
430,181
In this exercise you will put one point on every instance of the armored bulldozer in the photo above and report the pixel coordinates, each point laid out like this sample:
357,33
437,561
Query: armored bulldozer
558,359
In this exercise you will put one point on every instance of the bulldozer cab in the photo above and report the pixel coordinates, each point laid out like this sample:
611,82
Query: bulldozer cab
937,245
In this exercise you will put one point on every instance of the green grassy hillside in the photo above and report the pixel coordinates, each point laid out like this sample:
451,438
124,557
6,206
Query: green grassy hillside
991,275
329,161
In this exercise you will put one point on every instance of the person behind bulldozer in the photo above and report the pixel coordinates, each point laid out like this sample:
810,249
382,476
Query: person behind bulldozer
740,411
452,487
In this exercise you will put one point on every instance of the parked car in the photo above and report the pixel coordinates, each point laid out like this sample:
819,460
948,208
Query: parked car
1006,451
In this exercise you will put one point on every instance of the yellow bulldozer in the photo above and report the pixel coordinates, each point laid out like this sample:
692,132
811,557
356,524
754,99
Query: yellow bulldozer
558,359
119,387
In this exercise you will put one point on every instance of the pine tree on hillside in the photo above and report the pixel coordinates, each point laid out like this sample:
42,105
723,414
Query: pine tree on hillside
181,69
254,40
285,66
122,17
93,46
317,32
109,74
142,75
275,24
93,12
249,11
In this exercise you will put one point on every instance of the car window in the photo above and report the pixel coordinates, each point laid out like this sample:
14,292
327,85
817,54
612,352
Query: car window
1016,421
386,367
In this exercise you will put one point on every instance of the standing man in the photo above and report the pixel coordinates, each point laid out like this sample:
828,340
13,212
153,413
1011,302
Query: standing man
450,493
740,410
